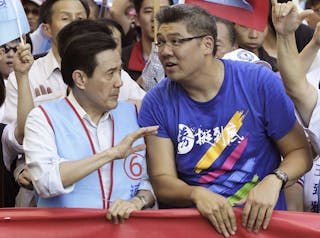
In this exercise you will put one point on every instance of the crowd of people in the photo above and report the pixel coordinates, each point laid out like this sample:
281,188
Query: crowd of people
234,122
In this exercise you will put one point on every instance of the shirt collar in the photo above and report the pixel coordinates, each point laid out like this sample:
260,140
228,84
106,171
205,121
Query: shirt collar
50,63
82,113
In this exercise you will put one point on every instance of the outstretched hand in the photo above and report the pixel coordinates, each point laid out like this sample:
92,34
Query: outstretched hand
286,18
125,147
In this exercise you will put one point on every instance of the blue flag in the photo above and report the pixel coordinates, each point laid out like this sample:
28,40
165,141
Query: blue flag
13,21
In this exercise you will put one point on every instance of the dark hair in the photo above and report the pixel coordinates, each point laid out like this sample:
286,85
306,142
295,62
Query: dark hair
138,4
81,54
311,3
45,14
93,6
110,24
76,28
197,20
230,27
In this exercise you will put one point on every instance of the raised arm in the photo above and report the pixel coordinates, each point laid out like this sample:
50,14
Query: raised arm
23,61
286,19
309,52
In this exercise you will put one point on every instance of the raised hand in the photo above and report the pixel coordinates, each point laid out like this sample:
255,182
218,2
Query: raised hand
22,60
286,18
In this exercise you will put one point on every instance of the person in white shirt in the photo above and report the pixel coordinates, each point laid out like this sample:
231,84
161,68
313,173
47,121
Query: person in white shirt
45,83
81,150
305,95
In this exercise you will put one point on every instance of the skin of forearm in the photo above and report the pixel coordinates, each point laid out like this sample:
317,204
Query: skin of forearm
302,93
173,191
288,60
308,54
25,105
73,171
148,196
296,164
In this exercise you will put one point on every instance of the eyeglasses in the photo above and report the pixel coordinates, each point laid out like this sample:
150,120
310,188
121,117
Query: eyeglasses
8,48
33,11
175,42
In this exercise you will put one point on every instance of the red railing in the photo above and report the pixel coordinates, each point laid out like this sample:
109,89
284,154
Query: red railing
184,223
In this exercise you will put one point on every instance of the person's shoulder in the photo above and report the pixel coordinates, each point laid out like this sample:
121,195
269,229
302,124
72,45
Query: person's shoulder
242,66
249,73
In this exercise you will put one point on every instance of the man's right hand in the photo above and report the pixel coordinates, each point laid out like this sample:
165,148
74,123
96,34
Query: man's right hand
286,18
22,60
216,209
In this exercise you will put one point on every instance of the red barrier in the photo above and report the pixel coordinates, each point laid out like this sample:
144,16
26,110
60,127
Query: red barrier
173,223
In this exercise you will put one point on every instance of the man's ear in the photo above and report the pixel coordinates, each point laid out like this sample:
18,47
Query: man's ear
46,29
208,44
79,79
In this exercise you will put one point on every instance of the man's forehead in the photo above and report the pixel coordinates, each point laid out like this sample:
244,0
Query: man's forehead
63,5
13,42
176,28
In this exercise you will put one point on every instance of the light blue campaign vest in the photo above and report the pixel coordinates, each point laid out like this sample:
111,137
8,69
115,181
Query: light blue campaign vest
73,144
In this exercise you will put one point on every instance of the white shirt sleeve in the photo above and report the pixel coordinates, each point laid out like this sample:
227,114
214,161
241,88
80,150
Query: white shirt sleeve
10,146
42,158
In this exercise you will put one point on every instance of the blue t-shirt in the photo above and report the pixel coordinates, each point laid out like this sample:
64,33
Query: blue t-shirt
227,143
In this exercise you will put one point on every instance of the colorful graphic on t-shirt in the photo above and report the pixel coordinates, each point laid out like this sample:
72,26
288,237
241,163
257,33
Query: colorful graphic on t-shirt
242,192
227,165
228,135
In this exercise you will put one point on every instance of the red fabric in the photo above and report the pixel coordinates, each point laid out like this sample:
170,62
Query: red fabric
257,19
175,223
136,61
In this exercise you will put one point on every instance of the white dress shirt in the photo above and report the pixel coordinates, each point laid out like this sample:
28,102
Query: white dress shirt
42,157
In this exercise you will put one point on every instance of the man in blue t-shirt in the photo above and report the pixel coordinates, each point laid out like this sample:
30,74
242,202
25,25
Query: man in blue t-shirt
224,126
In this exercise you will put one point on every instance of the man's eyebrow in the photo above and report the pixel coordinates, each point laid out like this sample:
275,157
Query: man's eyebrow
171,34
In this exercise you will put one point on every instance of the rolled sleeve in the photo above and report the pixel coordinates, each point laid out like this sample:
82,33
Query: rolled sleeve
41,156
10,146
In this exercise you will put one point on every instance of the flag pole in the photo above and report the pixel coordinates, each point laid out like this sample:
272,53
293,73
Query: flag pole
156,8
103,9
